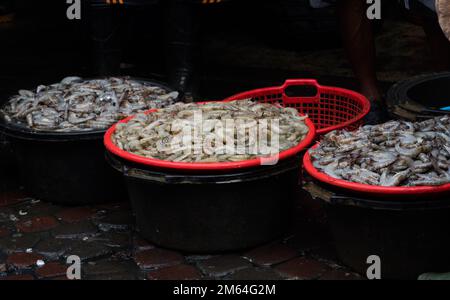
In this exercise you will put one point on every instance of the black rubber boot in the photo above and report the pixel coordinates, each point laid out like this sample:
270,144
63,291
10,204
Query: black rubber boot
182,46
378,113
106,36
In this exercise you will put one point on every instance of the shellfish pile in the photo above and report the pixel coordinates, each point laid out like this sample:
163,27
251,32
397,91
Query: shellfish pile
396,153
75,104
212,132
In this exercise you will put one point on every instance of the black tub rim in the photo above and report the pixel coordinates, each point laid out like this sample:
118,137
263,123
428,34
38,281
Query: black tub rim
193,177
342,198
403,86
16,131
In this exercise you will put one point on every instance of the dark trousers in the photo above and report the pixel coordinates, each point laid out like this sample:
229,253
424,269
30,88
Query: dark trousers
182,31
107,25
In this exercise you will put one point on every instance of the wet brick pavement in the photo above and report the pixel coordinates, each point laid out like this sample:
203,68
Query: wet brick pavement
104,238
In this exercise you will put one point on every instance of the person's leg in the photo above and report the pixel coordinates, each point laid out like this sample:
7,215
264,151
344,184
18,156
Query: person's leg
182,30
359,43
421,15
443,11
105,24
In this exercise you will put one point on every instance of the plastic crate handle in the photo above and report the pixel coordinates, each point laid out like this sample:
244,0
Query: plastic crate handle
291,82
302,82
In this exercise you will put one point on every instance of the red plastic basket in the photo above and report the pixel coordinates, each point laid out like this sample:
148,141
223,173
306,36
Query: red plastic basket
371,189
330,108
111,147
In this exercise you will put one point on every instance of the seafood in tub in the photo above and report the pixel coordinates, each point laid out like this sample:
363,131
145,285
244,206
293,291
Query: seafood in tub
212,132
75,104
396,153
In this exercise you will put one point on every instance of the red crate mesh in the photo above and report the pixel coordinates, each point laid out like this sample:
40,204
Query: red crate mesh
330,109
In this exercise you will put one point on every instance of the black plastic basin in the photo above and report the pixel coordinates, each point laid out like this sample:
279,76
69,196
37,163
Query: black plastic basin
211,212
66,168
410,236
431,91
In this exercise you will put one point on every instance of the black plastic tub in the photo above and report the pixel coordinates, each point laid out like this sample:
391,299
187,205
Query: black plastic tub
410,237
421,96
211,212
67,168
